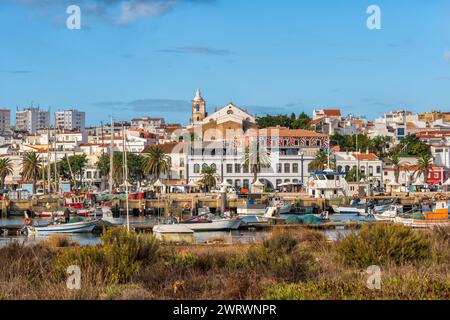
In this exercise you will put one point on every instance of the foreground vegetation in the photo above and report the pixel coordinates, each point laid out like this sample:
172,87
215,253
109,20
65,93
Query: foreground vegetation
292,264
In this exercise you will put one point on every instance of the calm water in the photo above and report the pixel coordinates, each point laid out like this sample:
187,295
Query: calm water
243,236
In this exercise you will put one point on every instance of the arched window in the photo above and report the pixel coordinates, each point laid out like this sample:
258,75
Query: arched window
204,166
339,168
347,168
213,166
196,168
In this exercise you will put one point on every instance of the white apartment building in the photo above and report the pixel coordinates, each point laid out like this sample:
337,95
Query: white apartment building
147,122
5,120
70,120
32,119
370,166
441,154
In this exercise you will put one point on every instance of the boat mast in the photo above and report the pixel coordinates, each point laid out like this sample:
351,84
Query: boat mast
48,161
55,168
125,164
111,152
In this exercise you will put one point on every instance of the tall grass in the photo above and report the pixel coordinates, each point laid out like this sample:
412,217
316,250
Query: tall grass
291,264
382,244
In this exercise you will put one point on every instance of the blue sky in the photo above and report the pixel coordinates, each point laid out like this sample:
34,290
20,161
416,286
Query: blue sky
147,57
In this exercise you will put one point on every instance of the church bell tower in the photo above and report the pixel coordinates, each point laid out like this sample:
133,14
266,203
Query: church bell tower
198,108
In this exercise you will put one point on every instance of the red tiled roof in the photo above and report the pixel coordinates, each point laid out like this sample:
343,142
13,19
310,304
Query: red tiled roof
317,120
332,112
365,156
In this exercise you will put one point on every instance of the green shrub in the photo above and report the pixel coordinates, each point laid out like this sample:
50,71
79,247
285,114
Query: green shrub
354,287
281,243
379,244
120,257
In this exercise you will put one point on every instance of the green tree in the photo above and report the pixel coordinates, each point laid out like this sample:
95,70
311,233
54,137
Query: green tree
6,169
156,162
319,163
72,167
31,167
411,145
103,168
424,165
303,122
209,177
255,157
135,167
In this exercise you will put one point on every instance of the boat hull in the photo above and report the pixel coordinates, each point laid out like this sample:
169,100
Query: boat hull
349,210
214,225
76,227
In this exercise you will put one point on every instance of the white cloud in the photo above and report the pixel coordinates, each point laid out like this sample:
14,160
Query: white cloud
133,10
447,56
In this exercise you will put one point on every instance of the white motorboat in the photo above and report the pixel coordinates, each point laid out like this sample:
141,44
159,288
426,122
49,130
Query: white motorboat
205,223
108,216
71,227
349,210
251,209
388,215
171,228
283,206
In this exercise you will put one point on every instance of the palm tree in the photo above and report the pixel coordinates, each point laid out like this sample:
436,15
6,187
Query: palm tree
31,167
319,163
255,157
395,161
353,175
6,169
156,162
424,165
209,176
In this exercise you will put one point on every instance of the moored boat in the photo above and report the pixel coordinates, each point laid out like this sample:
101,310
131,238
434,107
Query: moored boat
71,227
205,223
108,216
433,215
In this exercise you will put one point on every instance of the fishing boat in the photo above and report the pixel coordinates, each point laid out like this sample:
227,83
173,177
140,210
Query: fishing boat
349,210
389,214
71,227
208,223
282,206
357,206
108,216
88,212
50,214
432,215
251,209
75,201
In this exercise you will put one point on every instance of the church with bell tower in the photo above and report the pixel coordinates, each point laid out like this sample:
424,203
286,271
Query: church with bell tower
198,108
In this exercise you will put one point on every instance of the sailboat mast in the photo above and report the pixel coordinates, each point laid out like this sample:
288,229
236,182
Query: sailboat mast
111,152
55,167
125,163
48,160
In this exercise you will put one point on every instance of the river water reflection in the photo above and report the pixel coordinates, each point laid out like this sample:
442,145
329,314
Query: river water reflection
238,236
